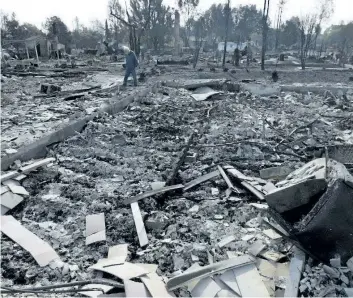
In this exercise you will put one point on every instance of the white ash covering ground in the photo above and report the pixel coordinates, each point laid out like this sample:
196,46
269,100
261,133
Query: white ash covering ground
117,157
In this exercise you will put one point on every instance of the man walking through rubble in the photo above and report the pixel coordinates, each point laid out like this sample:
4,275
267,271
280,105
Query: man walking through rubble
131,64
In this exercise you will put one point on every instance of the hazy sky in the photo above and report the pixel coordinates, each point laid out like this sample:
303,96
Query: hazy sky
36,11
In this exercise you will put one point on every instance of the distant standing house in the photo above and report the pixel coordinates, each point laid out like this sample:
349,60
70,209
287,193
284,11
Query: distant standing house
40,46
231,46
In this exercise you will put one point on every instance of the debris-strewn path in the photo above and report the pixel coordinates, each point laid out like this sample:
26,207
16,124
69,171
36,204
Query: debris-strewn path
117,157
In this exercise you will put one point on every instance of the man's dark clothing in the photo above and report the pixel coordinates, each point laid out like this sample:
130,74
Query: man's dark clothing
131,64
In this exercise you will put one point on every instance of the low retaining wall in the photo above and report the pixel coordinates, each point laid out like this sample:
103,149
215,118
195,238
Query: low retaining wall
315,89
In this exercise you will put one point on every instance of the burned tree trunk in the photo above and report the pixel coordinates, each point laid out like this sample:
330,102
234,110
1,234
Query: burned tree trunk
177,33
264,32
227,10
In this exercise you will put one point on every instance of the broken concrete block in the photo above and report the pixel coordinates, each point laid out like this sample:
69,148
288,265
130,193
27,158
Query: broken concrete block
226,241
344,279
156,221
333,273
275,172
49,88
349,292
269,187
313,169
350,264
157,185
336,262
232,87
214,191
290,197
191,158
194,209
341,153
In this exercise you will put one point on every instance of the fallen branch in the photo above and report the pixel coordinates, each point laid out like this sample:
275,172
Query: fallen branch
152,193
201,179
297,129
227,180
338,117
231,144
210,109
194,84
67,92
74,96
181,159
241,177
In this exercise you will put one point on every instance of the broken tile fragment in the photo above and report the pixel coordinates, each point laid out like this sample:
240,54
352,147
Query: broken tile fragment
157,185
17,189
206,287
272,234
229,279
140,227
272,255
156,287
41,251
350,264
9,201
247,237
256,248
135,289
95,228
250,282
226,241
120,250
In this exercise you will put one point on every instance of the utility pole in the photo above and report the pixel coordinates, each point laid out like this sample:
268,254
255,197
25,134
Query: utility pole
227,11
